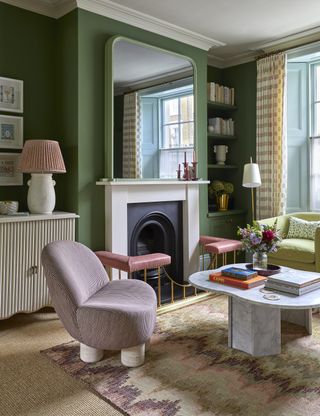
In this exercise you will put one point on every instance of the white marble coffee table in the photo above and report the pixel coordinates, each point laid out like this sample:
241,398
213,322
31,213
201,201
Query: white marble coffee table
255,322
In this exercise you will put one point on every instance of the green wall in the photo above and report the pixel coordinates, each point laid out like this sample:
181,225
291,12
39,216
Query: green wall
62,63
243,79
94,31
27,51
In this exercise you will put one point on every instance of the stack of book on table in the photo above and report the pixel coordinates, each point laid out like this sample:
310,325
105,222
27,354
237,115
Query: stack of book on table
294,283
237,277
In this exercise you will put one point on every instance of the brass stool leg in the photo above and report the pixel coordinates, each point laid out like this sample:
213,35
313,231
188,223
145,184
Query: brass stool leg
172,292
159,287
145,275
234,257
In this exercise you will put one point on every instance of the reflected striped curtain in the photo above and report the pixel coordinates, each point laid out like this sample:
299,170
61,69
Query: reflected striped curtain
132,167
271,136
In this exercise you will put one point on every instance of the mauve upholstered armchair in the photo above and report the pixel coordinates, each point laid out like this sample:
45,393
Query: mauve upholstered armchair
100,314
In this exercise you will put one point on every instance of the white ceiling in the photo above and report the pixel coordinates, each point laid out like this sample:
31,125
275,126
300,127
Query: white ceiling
233,29
242,25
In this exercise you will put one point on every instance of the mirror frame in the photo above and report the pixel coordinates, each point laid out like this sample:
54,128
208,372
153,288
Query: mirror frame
109,100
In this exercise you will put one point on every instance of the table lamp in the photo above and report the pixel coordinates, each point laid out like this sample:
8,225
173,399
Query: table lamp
41,158
251,179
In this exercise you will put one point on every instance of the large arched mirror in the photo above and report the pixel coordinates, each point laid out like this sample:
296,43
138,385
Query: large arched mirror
151,127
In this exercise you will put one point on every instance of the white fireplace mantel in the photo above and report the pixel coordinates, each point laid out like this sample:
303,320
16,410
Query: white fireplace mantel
120,193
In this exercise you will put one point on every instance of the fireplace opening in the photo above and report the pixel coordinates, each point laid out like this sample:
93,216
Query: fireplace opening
157,228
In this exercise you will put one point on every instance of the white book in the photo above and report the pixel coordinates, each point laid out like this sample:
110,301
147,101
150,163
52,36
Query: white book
295,278
292,290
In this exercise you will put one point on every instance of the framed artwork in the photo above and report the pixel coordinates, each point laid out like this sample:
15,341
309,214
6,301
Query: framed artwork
11,95
8,169
11,132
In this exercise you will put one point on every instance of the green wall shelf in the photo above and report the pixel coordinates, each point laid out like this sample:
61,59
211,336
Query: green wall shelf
222,167
221,136
223,213
221,106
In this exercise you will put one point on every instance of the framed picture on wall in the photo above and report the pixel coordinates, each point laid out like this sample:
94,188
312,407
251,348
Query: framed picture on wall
9,176
11,132
11,95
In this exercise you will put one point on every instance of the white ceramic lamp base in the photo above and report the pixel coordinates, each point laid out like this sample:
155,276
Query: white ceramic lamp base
41,194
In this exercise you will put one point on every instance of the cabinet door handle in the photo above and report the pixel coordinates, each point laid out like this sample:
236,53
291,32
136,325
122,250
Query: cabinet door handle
229,221
34,270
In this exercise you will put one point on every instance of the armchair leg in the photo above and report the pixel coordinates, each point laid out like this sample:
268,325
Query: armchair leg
133,356
89,354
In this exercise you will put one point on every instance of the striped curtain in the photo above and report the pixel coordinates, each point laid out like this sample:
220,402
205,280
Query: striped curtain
271,136
131,137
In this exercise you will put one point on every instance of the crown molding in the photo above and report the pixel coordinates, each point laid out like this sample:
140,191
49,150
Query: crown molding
144,21
291,41
50,8
239,59
107,8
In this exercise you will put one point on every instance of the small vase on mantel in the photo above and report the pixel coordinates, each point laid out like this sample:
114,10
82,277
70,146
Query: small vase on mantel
260,261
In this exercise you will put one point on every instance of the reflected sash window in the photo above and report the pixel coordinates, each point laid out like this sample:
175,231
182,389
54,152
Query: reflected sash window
176,130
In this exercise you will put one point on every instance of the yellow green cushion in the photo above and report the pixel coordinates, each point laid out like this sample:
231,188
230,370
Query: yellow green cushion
300,228
294,249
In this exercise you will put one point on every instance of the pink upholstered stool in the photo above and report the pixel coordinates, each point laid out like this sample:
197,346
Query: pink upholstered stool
132,264
207,239
223,247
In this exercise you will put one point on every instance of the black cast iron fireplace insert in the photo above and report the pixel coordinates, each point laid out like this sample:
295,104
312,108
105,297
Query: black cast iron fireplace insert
157,228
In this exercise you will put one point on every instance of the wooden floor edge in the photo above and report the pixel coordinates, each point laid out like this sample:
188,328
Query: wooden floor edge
185,302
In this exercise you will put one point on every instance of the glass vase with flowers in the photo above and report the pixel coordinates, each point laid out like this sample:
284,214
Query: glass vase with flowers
260,239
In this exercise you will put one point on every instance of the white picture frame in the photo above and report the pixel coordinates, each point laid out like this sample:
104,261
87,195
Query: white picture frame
11,132
9,176
11,95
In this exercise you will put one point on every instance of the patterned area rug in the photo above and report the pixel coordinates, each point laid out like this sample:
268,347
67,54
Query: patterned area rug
189,370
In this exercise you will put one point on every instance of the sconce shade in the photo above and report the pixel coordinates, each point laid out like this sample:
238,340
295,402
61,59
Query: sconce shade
41,156
251,176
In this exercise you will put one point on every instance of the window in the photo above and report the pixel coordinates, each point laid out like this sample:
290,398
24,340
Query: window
177,122
315,138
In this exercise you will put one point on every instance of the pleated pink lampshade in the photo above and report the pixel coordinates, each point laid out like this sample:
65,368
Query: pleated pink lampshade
41,156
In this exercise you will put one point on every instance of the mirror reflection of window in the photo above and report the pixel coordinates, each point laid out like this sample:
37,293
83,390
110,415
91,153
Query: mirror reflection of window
153,123
167,128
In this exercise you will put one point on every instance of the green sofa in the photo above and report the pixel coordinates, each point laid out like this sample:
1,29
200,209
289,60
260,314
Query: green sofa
297,253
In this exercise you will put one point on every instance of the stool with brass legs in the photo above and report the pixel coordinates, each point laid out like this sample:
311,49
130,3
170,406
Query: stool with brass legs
145,262
222,247
207,239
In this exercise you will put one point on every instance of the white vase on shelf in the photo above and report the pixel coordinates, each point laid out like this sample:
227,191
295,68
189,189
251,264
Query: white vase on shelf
221,151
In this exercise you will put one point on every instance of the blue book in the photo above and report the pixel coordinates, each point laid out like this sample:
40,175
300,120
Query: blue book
237,273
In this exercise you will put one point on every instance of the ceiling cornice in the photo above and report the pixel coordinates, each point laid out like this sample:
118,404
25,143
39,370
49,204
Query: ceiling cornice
239,59
152,24
107,8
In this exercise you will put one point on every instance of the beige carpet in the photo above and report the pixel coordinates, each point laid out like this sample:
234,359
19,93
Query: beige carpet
29,383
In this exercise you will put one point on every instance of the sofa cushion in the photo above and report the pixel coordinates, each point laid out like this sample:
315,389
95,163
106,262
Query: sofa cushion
299,228
295,249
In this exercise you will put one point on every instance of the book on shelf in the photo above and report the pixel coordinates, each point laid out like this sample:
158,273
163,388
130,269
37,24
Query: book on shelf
219,125
220,93
292,290
238,273
217,277
295,279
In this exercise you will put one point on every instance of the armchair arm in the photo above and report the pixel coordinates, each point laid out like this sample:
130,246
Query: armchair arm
317,248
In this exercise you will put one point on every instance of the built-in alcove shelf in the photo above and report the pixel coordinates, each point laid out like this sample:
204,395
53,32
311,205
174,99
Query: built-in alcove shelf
224,213
221,136
221,106
222,167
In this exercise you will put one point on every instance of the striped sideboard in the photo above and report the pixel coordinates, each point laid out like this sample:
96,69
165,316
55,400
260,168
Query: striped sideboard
23,286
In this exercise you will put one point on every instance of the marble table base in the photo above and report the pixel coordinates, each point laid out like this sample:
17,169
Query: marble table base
256,329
